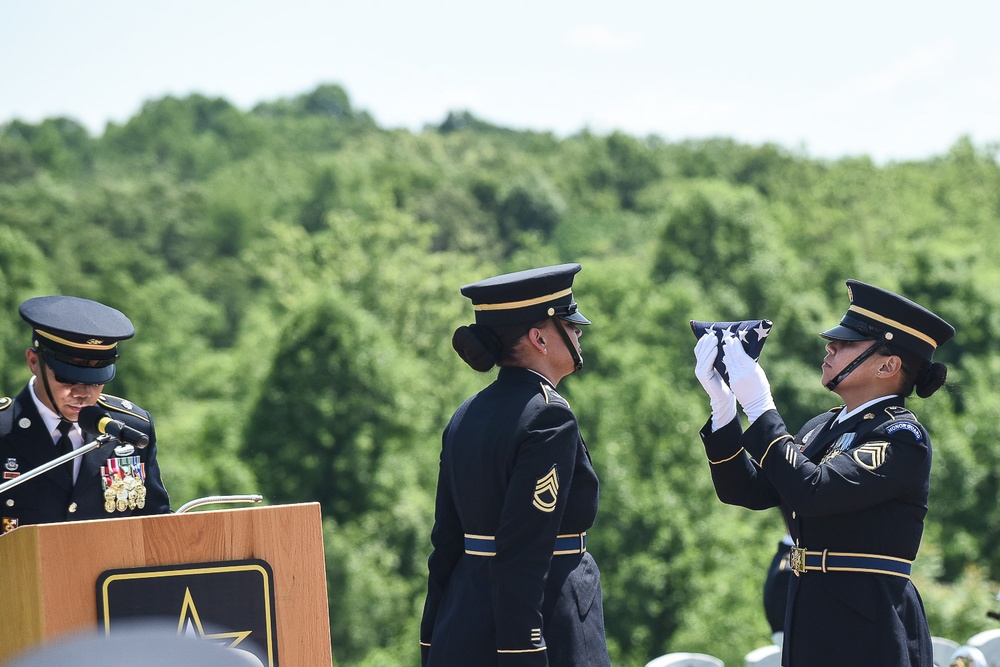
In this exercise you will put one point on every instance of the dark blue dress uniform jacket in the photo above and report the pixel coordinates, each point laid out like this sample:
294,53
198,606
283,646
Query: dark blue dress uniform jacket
25,444
502,450
856,487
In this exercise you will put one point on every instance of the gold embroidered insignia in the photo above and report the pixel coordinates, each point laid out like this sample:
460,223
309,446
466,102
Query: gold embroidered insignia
869,415
547,491
871,454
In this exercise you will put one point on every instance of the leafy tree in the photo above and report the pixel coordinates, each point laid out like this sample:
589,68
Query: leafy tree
327,411
293,274
59,145
634,167
531,205
22,275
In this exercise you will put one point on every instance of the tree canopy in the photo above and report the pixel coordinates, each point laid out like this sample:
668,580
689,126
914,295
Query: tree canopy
293,273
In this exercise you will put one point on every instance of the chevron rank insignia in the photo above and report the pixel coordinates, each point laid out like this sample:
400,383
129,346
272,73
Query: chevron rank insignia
547,491
871,454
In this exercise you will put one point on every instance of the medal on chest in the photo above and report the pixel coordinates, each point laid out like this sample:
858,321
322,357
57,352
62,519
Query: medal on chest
123,481
839,445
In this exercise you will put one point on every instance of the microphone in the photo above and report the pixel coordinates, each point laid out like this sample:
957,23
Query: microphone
95,420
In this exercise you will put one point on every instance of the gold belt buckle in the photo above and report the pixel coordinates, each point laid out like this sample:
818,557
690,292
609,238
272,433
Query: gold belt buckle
797,560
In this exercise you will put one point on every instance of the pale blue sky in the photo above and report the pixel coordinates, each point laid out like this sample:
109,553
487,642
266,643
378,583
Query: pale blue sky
893,79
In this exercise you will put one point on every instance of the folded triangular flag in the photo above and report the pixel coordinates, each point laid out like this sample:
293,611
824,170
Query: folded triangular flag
752,333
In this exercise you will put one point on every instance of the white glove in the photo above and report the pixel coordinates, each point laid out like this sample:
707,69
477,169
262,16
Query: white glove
747,379
723,401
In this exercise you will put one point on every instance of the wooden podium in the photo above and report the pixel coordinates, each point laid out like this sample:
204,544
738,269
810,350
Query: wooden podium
51,570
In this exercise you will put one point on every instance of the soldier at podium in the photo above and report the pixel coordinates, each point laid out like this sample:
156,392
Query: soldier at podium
74,346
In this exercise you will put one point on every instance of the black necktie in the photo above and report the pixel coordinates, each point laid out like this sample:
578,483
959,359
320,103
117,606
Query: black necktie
64,446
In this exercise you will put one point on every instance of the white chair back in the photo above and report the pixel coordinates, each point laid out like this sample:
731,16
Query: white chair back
988,642
943,650
685,660
765,656
967,656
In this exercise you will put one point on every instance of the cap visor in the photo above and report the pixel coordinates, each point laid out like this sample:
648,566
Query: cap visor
81,374
575,318
840,332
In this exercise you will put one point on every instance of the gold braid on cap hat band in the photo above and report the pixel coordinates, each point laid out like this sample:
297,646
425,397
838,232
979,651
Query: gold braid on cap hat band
896,325
510,305
94,345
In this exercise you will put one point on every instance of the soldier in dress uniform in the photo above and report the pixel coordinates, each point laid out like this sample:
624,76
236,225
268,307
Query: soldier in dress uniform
72,355
852,483
510,580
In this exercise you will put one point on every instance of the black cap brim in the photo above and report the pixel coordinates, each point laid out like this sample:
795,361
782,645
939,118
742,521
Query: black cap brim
840,332
81,374
575,318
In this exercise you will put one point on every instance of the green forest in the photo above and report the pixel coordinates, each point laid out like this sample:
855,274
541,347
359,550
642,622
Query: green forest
293,273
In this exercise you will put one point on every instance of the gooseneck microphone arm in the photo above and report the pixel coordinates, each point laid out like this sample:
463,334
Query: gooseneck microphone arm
100,441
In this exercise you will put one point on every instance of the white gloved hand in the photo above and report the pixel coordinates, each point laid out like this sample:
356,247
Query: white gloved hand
722,399
747,379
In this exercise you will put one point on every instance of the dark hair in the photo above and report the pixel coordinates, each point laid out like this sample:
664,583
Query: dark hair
483,347
919,373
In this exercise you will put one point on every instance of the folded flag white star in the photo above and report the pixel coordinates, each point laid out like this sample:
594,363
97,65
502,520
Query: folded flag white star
752,333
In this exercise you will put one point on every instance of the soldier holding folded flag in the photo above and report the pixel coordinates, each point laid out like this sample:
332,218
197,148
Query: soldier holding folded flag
852,483
73,350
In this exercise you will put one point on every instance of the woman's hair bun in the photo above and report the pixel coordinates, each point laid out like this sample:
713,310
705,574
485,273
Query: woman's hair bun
478,346
932,379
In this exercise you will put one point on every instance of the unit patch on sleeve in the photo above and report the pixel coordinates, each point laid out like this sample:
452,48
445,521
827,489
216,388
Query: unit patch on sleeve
904,426
547,491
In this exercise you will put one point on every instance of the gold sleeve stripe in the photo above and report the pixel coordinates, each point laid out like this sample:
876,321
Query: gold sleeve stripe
523,650
766,451
715,463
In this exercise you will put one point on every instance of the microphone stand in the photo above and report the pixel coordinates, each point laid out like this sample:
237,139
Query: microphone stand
97,443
